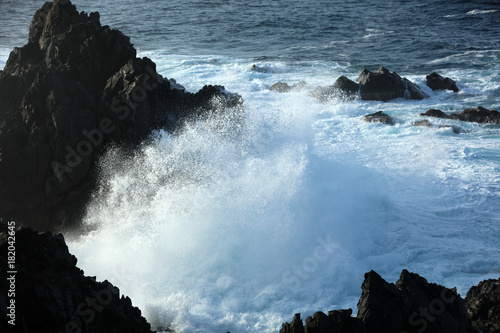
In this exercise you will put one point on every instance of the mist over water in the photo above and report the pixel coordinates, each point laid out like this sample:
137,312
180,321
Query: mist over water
236,226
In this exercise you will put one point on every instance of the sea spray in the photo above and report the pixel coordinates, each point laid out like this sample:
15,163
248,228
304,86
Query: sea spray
216,229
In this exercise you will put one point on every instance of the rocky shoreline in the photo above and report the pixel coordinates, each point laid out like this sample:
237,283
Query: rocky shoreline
53,295
77,88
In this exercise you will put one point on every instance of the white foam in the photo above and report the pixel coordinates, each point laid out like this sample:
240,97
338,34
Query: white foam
210,231
480,12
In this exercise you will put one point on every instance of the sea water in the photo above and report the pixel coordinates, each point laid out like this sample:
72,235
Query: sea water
237,226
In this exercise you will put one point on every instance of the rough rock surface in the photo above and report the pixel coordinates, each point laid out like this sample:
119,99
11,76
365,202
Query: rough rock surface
411,305
384,85
437,82
75,88
483,306
379,117
53,295
477,115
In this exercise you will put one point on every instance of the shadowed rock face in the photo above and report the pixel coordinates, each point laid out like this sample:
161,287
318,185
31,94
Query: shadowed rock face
75,88
379,117
483,306
53,295
437,82
411,305
384,85
477,115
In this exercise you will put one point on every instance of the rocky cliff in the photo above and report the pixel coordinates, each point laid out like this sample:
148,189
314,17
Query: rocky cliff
75,88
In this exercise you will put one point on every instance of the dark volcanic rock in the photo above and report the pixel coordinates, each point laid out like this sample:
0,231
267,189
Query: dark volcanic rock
75,88
347,87
384,85
411,305
295,326
53,295
435,113
478,115
483,306
437,82
379,117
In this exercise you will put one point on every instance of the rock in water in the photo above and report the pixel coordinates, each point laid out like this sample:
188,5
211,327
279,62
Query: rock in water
437,82
76,87
384,85
346,87
423,123
379,117
483,306
53,295
478,115
435,113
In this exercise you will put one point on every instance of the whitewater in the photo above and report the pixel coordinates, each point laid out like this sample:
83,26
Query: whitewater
235,225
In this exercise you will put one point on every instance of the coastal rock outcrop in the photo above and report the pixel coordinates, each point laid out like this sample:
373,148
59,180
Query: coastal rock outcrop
74,89
384,85
53,295
483,306
379,117
477,115
437,82
381,85
410,305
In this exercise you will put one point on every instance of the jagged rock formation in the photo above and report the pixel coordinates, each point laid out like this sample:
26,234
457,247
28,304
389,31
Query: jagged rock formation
483,306
437,82
379,117
75,88
53,295
411,305
478,115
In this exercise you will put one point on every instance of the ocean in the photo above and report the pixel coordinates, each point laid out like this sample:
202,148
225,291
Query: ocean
236,227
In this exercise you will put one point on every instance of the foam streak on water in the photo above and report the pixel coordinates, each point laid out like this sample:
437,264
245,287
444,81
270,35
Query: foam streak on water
236,229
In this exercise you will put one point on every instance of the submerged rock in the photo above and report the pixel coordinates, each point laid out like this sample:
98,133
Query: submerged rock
74,89
437,82
384,85
53,295
426,123
379,117
283,87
